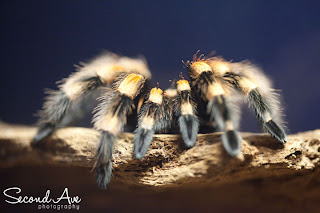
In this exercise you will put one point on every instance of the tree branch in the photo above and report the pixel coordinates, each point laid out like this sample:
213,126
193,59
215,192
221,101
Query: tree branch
167,163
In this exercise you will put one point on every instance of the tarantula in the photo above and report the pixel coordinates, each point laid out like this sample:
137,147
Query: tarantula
210,98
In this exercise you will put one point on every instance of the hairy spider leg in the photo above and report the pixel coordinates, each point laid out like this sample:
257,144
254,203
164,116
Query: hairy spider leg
100,71
261,104
151,119
223,113
186,112
110,118
219,108
252,82
58,103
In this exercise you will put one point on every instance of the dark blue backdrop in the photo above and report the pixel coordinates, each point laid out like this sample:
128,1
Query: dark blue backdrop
41,40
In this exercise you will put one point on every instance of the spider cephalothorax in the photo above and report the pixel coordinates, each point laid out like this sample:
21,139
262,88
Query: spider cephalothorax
211,97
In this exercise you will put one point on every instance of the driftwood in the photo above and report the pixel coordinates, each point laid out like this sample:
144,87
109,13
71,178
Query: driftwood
167,163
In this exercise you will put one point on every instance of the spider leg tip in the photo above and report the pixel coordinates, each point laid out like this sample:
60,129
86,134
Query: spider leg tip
189,128
189,143
142,141
231,141
138,156
103,163
103,172
44,131
276,131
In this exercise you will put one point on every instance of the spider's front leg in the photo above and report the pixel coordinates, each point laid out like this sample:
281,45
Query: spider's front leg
151,119
58,103
219,108
110,118
186,112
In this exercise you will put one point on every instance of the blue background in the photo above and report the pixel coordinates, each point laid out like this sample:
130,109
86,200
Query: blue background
42,40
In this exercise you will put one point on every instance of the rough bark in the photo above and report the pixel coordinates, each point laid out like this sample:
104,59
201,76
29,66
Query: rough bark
167,163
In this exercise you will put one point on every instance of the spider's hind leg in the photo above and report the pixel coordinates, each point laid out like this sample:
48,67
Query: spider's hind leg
59,103
257,88
263,113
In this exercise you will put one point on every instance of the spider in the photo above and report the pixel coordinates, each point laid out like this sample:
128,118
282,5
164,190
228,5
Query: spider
210,98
